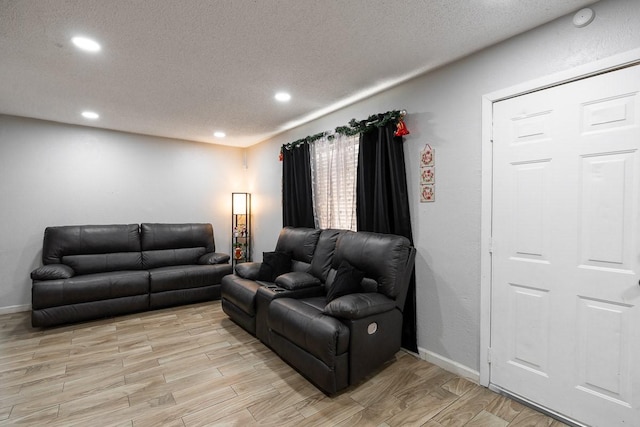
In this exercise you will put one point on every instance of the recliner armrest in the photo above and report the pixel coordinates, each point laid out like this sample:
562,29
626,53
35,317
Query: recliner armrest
359,305
214,258
52,272
248,270
297,280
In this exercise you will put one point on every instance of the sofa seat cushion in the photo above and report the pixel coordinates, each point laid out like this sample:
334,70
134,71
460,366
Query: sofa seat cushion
186,276
302,322
89,287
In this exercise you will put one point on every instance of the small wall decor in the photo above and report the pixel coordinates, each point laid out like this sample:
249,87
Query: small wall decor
427,193
427,175
426,156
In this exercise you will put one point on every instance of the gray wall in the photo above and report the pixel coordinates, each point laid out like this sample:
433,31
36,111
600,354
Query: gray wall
54,174
444,109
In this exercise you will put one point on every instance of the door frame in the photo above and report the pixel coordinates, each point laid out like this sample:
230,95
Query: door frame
611,63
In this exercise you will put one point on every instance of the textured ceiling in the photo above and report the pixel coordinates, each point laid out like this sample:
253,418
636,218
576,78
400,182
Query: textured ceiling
183,69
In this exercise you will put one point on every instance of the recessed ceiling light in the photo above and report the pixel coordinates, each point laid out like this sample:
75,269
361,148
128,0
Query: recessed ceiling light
219,134
87,44
283,96
91,115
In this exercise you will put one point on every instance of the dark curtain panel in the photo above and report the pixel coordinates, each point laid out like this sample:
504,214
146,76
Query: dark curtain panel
383,203
297,200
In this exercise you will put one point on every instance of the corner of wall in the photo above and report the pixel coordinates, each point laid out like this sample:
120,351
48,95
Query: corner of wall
450,365
15,309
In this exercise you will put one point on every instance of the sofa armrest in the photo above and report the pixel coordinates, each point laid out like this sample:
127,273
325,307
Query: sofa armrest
248,270
52,272
359,305
297,280
214,258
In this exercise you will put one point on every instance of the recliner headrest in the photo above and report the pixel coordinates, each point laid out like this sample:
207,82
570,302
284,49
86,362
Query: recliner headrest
382,257
299,242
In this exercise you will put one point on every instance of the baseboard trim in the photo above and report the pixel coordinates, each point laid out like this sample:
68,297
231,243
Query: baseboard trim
15,309
450,365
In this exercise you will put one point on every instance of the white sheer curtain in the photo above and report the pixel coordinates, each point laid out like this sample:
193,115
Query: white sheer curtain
334,164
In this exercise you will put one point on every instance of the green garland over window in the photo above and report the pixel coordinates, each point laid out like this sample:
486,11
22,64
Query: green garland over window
353,128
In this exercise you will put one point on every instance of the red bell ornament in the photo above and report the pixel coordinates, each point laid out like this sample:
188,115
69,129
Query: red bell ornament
401,128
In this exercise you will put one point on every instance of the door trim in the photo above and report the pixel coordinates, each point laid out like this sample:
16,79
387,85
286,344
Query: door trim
611,63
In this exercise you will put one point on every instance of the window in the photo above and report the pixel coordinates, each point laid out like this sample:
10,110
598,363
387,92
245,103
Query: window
334,165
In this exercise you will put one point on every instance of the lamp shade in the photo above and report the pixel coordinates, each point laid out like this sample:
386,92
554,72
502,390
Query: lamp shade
239,203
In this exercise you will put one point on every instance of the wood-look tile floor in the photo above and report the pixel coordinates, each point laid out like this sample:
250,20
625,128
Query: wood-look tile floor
191,366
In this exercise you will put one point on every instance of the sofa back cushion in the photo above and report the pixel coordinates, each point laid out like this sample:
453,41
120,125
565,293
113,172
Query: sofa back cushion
175,244
384,258
300,243
323,255
93,248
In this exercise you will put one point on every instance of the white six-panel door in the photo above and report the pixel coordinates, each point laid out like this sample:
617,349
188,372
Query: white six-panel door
565,322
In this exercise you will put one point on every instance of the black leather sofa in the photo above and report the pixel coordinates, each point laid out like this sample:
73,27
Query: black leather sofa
95,271
332,342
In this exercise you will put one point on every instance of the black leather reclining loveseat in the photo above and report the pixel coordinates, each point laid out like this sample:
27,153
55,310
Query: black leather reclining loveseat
334,336
94,271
